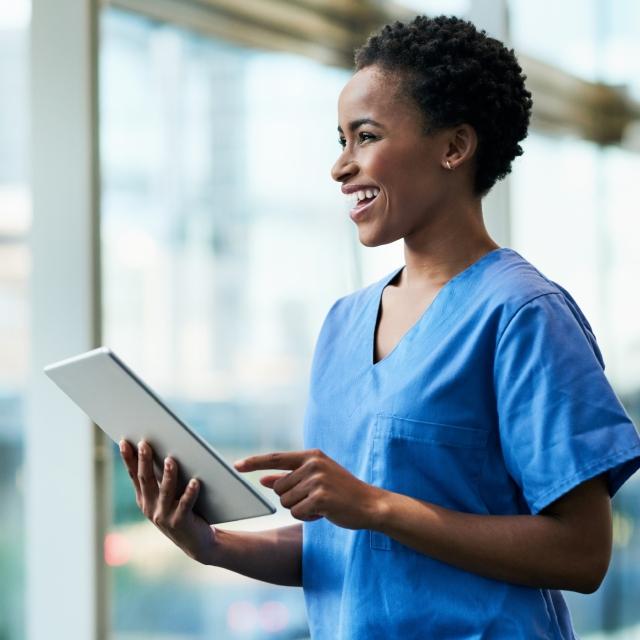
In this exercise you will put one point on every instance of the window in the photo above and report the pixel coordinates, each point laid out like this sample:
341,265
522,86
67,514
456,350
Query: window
581,231
224,245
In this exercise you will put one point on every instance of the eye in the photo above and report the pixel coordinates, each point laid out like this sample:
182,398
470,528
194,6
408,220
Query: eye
363,136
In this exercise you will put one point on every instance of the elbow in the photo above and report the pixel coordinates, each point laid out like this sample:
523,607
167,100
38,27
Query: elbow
586,565
592,575
589,586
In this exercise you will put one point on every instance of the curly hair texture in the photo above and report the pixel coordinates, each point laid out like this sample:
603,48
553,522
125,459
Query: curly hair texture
457,74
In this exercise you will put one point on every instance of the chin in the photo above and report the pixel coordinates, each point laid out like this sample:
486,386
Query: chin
374,240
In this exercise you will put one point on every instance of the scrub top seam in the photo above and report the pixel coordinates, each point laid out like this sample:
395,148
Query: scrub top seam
517,311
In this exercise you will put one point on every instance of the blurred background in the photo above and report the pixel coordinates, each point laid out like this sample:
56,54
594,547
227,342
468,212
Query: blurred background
165,190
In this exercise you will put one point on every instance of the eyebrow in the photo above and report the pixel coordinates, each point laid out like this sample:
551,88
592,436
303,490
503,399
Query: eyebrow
358,123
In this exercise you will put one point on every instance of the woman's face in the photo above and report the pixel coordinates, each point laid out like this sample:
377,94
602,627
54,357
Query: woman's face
386,152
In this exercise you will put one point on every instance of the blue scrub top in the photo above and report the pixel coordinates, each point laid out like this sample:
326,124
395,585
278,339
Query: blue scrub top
494,402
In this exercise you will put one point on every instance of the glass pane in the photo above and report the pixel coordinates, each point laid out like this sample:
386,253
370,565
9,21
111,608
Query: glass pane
15,220
596,40
224,244
581,230
458,8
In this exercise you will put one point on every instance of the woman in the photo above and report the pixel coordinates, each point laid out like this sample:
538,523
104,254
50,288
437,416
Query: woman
462,442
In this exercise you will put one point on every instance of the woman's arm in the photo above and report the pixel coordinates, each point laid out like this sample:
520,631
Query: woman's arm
273,556
566,546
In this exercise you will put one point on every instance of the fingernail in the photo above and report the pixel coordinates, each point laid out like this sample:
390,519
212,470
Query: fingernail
122,446
167,463
193,483
239,463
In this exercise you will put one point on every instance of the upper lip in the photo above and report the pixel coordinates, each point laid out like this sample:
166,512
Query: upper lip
352,188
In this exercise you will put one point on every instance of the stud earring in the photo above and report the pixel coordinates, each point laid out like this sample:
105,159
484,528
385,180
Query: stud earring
449,165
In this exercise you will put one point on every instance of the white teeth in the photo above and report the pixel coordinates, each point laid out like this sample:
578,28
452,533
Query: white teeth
354,198
367,193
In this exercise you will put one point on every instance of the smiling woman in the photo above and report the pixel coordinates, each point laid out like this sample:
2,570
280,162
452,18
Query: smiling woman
461,441
454,389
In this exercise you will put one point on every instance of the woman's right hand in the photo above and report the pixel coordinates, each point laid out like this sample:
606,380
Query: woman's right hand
171,513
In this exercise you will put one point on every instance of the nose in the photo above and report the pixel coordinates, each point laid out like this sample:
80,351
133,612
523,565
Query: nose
344,168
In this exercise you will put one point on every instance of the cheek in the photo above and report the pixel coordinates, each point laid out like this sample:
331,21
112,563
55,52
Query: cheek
402,172
410,185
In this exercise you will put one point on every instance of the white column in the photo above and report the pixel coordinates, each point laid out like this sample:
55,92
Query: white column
65,594
492,15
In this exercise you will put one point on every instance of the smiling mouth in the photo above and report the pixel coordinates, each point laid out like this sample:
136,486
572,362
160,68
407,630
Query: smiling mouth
361,204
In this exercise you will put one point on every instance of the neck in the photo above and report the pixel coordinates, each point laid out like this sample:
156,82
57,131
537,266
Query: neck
436,253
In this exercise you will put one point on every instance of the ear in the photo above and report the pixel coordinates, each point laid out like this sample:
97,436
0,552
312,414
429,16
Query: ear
463,142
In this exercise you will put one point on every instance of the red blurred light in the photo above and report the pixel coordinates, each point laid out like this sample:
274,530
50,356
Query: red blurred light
241,616
274,616
117,549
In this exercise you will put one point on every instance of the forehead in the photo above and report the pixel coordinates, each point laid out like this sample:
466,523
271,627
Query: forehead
375,94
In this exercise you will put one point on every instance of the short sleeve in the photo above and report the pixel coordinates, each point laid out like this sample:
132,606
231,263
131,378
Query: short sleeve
560,421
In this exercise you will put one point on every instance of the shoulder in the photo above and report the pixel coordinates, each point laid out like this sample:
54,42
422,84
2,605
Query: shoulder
520,293
513,281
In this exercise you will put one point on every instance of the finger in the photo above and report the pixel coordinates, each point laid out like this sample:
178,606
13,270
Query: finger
130,457
277,460
289,480
188,499
267,481
305,511
296,494
147,479
167,491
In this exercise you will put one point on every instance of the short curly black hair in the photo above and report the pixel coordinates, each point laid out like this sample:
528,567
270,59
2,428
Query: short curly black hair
457,74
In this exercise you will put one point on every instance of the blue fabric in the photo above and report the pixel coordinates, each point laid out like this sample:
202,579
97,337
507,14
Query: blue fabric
494,402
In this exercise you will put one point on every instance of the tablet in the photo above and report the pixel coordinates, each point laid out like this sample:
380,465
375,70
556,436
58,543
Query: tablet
123,406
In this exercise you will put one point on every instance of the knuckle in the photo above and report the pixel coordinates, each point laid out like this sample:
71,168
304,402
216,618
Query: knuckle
317,481
318,460
320,496
158,519
274,458
318,453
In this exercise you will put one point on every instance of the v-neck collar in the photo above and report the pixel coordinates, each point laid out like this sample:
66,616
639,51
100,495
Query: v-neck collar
378,303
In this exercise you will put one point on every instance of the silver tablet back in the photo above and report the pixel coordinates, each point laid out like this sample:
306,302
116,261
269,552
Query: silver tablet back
123,406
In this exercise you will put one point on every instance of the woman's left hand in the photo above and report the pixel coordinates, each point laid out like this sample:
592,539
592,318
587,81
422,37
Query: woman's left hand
317,487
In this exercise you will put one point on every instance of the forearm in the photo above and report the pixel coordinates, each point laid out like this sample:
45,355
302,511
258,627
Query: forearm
540,551
272,556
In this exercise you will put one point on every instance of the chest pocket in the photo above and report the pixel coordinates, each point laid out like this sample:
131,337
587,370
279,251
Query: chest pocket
438,463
